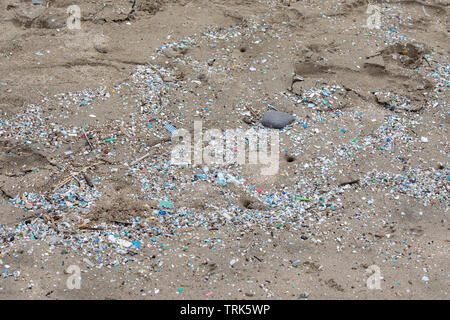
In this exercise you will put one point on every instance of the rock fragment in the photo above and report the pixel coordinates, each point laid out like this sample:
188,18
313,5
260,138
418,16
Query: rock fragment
277,119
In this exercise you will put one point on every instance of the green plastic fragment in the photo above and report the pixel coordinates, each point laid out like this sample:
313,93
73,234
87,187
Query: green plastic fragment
165,204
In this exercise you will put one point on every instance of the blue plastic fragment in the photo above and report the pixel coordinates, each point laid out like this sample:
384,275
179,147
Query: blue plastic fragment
171,128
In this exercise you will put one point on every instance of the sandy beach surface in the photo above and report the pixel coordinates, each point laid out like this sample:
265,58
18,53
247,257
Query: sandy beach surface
92,205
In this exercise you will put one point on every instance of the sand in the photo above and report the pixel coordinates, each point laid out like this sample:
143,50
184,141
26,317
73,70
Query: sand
357,210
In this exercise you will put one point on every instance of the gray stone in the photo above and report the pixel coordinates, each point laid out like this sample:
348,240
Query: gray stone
277,119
